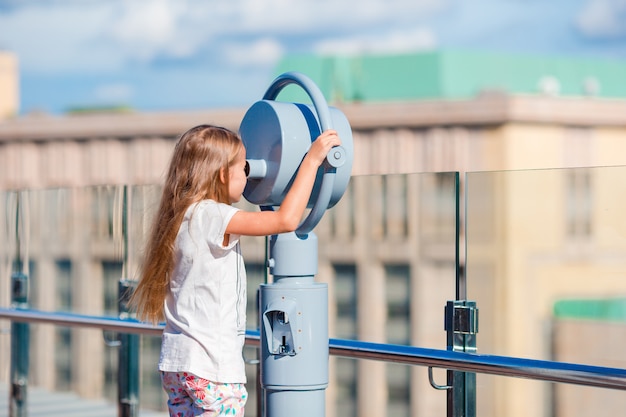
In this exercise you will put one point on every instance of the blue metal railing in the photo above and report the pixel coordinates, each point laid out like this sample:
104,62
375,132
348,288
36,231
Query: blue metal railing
560,372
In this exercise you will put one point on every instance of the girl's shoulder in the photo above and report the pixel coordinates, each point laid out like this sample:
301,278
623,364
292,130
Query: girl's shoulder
208,203
204,203
210,206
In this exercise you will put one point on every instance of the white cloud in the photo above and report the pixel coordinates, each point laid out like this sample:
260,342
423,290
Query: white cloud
145,30
263,52
395,41
603,19
97,36
152,42
54,39
323,17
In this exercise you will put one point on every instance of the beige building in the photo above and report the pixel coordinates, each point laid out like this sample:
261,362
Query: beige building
387,249
9,85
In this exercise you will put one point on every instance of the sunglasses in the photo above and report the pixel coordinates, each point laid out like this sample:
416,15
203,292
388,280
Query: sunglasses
246,169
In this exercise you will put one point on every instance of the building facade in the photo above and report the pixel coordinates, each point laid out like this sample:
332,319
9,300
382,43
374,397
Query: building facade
387,249
9,85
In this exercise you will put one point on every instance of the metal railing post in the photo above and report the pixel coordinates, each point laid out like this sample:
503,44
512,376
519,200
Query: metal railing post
128,359
20,341
461,324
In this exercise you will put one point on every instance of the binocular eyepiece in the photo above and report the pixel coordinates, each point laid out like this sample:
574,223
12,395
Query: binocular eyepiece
257,168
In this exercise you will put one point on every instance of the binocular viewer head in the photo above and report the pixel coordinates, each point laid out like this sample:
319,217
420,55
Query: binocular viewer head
277,136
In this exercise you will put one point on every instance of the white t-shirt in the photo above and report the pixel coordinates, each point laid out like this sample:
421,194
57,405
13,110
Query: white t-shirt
205,306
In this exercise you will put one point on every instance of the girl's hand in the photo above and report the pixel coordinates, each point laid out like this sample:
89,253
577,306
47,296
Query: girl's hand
322,145
290,212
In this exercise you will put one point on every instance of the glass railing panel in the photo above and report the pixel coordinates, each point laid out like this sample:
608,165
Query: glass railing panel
75,245
545,262
538,398
387,251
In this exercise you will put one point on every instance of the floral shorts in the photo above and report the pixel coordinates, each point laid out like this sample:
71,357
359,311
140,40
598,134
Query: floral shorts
189,396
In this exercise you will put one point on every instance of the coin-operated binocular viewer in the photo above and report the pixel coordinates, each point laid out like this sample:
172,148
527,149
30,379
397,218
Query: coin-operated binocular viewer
293,310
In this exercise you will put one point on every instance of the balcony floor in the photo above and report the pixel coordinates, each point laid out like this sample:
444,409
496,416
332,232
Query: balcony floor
65,404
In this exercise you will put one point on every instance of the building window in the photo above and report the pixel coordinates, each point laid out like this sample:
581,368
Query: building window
346,328
579,204
395,205
438,206
107,210
398,289
111,274
397,284
63,335
346,301
578,183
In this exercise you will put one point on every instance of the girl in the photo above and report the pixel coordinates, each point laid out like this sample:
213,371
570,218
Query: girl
193,274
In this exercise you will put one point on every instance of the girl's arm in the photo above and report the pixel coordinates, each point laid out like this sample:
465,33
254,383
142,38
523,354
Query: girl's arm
289,214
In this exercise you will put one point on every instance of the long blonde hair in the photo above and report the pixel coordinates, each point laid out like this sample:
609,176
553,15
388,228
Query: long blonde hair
198,170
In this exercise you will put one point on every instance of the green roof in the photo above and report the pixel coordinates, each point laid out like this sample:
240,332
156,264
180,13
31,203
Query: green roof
600,309
453,75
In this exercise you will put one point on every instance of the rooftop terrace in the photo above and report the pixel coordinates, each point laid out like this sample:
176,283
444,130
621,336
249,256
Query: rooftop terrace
65,404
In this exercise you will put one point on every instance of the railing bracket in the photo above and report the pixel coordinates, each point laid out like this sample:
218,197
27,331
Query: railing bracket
433,384
109,342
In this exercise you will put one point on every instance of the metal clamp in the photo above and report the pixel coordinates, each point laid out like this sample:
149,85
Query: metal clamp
461,317
461,324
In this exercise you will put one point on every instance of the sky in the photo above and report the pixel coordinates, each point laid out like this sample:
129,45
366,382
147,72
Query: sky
161,55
